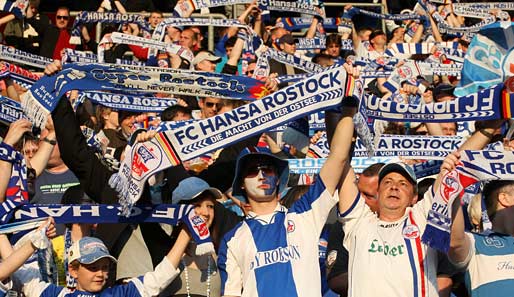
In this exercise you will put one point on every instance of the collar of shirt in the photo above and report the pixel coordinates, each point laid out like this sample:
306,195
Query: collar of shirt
267,218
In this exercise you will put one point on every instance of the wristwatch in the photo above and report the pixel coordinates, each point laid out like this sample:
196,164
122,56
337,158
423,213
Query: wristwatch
50,141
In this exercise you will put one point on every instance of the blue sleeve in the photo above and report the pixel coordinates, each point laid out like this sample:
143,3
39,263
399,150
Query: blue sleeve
219,49
305,202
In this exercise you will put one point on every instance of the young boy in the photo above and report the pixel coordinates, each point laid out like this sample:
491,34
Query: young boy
89,264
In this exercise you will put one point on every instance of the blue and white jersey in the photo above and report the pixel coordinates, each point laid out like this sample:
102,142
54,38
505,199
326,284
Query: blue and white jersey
277,253
151,284
490,265
388,259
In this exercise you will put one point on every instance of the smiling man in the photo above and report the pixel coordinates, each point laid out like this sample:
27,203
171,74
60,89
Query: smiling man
386,246
274,251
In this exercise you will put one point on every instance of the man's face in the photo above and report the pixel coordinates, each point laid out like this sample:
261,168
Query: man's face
154,19
368,186
364,35
288,48
395,193
334,50
62,17
379,40
251,68
449,129
399,33
209,106
206,65
187,39
260,180
180,116
91,277
127,125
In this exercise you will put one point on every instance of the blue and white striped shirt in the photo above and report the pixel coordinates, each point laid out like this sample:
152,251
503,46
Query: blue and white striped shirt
277,253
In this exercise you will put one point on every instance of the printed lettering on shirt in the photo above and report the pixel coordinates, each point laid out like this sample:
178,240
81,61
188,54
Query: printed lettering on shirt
278,255
386,249
505,265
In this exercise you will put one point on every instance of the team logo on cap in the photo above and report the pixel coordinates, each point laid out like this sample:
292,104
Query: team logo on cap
290,226
410,232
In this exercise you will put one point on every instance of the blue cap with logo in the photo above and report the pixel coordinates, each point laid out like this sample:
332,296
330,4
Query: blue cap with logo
401,168
88,250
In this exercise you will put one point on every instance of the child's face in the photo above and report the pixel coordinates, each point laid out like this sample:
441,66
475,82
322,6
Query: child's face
91,277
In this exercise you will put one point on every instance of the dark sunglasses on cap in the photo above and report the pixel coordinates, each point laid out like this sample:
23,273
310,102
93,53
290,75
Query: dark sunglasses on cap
212,104
254,171
62,17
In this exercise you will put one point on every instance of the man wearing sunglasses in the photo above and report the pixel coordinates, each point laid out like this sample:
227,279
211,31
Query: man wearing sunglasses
209,107
274,251
55,37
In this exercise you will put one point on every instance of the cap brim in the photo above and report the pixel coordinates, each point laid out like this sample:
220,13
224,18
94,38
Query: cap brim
395,167
90,260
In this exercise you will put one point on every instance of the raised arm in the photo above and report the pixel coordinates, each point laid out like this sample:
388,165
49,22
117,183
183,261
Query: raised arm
14,135
13,260
337,167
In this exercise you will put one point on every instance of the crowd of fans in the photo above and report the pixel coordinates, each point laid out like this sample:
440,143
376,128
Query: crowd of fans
341,231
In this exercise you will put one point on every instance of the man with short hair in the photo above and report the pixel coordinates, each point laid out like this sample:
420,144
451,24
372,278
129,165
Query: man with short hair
206,61
154,19
209,107
55,38
275,250
188,39
386,246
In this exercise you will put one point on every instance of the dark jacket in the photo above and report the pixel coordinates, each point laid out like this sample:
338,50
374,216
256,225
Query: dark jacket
94,177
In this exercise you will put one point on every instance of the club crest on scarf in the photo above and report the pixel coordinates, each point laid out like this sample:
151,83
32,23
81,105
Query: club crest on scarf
143,159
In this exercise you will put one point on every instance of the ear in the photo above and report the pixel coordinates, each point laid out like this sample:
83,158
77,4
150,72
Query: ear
201,103
505,199
281,46
414,200
73,271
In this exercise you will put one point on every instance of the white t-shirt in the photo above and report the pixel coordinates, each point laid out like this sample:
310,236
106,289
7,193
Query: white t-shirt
388,258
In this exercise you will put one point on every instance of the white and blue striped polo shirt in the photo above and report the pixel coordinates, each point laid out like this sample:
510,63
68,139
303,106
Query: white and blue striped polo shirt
490,265
277,253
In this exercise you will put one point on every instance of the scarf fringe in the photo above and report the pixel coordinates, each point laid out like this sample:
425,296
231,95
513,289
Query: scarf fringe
436,238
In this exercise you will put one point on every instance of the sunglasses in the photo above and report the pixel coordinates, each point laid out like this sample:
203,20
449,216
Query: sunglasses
254,171
212,104
62,17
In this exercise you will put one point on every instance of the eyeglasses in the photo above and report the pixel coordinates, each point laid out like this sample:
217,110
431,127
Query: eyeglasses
254,171
62,17
212,104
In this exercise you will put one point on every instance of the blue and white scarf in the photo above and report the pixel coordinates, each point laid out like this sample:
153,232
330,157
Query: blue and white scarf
10,110
473,166
483,105
14,55
17,214
18,7
317,92
42,98
496,43
130,102
93,17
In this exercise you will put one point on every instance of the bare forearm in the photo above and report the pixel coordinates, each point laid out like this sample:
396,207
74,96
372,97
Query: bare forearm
177,251
16,258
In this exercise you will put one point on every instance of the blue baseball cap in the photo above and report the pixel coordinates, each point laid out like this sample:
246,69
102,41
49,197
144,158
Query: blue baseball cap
192,187
398,167
258,152
88,250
